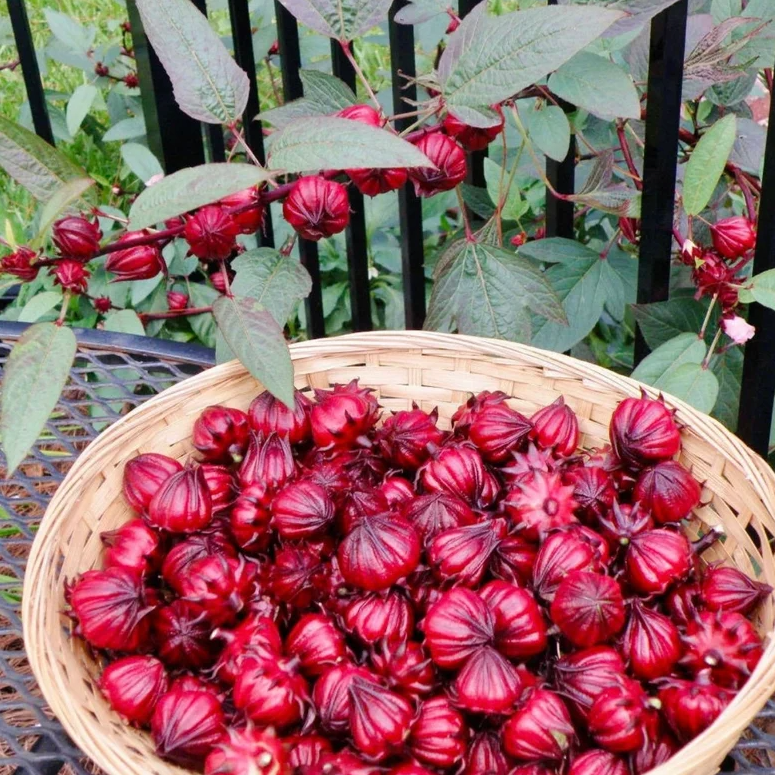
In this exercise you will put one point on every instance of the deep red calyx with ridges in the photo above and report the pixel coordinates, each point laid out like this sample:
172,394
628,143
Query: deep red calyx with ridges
256,637
133,686
651,643
21,263
540,504
221,434
144,476
342,416
668,491
583,675
690,707
733,237
250,518
268,414
182,636
598,762
133,546
656,559
643,431
450,161
317,208
246,210
725,588
623,522
71,275
617,718
138,262
436,513
487,683
306,751
458,470
462,555
405,667
485,756
176,301
220,483
248,752
211,233
301,510
268,461
556,427
540,729
472,138
497,431
380,617
182,504
76,237
331,696
593,491
520,629
406,438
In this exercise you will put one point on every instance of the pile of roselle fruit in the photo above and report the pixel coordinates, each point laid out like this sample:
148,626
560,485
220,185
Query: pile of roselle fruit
318,595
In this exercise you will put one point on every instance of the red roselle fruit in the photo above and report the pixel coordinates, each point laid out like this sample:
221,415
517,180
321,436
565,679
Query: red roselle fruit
485,756
396,490
317,643
472,138
728,589
724,642
556,427
187,725
623,522
378,551
292,576
466,413
514,560
331,696
439,734
588,608
496,430
76,237
71,275
386,617
683,601
540,504
211,233
405,668
221,434
540,729
656,559
220,484
21,264
461,555
306,751
182,635
643,431
256,637
598,762
410,769
346,763
456,626
247,752
371,182
250,518
268,462
246,210
182,504
134,547
366,114
268,414
379,719
406,438
110,609
593,491
270,693
651,643
133,686
563,551
177,301
343,416
449,159
140,262
520,629
690,707
668,491
655,751
733,237
180,557
301,510
437,513
487,683
143,477
617,717
317,208
459,470
583,675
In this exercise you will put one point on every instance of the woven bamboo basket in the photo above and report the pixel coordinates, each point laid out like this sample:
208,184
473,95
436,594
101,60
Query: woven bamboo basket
433,370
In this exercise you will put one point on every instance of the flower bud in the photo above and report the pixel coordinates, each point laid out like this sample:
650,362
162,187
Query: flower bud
556,426
371,182
140,262
317,208
71,275
143,477
76,237
630,229
221,434
177,301
725,588
182,504
246,210
472,138
103,304
20,264
216,278
733,237
211,233
668,490
449,159
691,254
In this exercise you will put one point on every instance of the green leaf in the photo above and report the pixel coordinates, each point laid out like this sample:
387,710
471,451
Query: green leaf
339,19
67,30
637,13
141,161
478,200
695,385
78,106
728,368
338,143
203,325
65,195
598,85
276,281
207,83
33,163
487,291
39,305
621,201
762,289
191,188
658,365
324,94
124,321
489,59
418,11
549,130
558,250
126,129
663,320
35,374
583,286
514,207
706,164
257,340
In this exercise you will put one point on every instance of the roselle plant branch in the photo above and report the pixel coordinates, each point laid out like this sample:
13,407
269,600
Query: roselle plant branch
174,313
636,179
359,73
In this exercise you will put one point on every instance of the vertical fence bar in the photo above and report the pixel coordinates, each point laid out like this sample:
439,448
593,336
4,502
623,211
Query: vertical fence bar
290,64
402,63
663,116
25,47
758,387
355,236
172,135
242,38
475,175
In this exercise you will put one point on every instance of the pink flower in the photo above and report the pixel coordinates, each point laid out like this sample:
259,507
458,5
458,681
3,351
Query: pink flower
738,329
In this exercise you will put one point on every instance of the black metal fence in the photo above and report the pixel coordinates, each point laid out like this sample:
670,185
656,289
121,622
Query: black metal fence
180,141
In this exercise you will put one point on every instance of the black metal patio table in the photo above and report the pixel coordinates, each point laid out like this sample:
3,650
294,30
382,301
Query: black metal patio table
112,374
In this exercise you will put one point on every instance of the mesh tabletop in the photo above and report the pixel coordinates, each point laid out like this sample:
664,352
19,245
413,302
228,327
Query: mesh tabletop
112,374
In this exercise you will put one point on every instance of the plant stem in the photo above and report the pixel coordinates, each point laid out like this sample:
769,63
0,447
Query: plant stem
174,313
536,161
709,354
636,179
361,77
707,316
750,204
63,310
226,283
275,91
142,239
241,140
464,214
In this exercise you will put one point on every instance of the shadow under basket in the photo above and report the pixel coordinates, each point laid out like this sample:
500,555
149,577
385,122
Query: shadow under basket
434,370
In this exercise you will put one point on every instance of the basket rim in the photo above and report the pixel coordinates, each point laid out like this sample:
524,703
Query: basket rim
757,471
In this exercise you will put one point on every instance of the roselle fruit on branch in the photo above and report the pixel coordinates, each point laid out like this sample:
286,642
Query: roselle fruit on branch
326,590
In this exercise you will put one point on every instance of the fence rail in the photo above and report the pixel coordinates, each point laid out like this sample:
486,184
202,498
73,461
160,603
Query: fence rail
180,141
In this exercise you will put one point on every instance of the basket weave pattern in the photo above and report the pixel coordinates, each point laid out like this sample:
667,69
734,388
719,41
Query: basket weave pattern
435,370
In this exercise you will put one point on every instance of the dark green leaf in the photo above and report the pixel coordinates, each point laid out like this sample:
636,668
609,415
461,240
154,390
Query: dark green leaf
339,19
33,163
637,13
418,11
558,250
694,384
78,106
728,368
276,281
39,305
664,320
706,164
549,130
207,83
254,337
489,59
35,373
203,325
626,266
761,289
658,367
126,129
124,321
64,196
478,200
141,161
191,188
327,142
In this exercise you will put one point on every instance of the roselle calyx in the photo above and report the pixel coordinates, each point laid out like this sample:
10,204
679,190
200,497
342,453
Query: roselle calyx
182,504
406,438
268,415
540,729
247,752
143,477
133,686
668,491
556,427
221,434
643,431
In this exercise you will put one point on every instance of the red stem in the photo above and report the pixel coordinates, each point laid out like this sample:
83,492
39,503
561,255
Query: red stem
174,313
628,157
